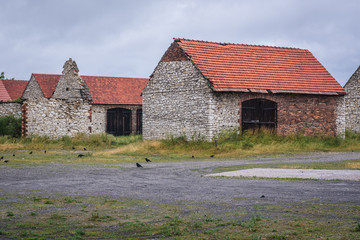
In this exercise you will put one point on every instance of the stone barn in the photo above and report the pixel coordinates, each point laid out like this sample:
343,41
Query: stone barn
67,104
10,97
352,102
201,88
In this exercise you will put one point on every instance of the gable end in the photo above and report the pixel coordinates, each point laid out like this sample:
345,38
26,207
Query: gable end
174,53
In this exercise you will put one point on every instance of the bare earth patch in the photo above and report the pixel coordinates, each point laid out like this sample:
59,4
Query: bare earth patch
353,175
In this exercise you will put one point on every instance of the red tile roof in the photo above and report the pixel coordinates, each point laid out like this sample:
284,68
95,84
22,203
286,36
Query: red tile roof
115,90
4,95
103,90
47,83
15,88
248,68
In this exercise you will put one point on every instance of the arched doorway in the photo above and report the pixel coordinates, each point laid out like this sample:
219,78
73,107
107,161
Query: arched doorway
258,113
118,121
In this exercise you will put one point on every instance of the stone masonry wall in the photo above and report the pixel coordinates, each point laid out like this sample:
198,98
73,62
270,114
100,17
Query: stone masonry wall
309,114
55,118
340,116
10,109
99,116
226,112
177,101
352,102
32,90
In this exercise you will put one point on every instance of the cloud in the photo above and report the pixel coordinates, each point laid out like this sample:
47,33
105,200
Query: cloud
128,38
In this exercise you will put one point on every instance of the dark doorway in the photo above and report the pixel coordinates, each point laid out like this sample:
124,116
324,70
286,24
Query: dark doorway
119,121
139,121
258,113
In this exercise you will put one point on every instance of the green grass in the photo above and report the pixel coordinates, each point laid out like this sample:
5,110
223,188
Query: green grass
80,217
79,142
104,148
231,145
114,218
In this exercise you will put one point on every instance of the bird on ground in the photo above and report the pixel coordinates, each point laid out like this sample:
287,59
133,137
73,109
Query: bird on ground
6,161
147,160
2,157
192,156
73,148
84,149
138,165
262,196
13,155
212,155
44,151
30,152
81,155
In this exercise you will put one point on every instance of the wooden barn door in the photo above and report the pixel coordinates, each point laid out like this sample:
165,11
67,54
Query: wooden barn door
258,113
119,121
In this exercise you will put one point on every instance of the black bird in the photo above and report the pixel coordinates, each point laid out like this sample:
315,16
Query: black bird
44,151
147,160
30,152
73,148
6,161
192,156
13,155
2,157
81,155
262,196
212,155
84,149
138,165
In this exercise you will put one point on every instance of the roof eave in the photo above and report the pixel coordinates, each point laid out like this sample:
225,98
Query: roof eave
268,91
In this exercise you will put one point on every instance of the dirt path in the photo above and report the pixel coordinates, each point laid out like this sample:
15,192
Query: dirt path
176,182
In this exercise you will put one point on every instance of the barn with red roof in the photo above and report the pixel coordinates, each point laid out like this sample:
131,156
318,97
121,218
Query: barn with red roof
10,94
68,104
201,88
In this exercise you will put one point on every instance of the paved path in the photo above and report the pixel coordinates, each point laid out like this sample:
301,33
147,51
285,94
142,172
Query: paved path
352,175
175,182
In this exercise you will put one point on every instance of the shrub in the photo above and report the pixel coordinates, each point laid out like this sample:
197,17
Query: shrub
10,126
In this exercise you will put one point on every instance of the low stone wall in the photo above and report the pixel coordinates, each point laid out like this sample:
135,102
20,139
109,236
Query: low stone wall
10,109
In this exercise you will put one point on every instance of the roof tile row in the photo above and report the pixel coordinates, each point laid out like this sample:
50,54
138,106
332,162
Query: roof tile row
240,66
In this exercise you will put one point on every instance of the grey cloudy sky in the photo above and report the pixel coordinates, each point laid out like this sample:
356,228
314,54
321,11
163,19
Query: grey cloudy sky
127,38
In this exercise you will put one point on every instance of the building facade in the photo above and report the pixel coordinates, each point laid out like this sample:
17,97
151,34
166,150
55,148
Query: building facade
200,88
352,102
68,104
10,94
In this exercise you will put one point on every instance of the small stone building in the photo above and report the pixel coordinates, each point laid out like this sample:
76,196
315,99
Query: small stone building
201,88
67,104
352,102
10,94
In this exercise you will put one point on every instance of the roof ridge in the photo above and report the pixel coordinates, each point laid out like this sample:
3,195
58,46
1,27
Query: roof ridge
14,80
112,77
238,44
86,76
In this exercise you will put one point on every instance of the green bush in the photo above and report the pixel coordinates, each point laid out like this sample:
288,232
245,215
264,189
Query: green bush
10,126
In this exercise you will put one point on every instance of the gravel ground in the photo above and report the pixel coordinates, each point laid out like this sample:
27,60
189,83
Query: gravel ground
176,182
